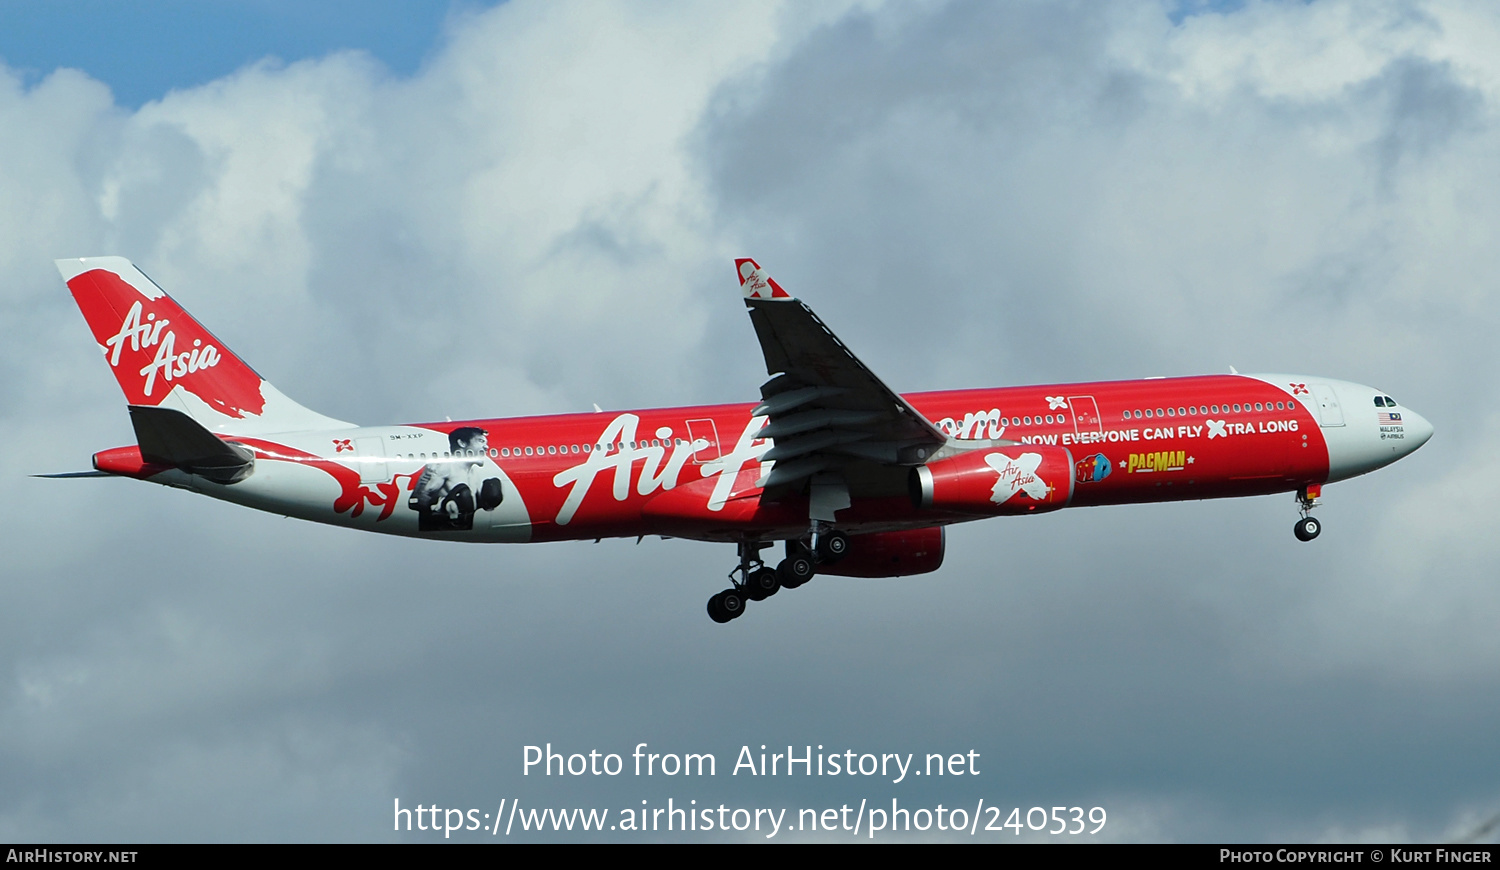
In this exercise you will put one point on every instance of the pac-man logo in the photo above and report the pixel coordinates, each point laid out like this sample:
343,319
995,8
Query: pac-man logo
1165,460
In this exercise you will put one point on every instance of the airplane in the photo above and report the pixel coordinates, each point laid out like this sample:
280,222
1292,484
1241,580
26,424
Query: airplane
853,478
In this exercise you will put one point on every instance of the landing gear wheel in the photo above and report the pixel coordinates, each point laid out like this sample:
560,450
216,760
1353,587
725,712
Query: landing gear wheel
726,605
716,610
762,584
832,547
794,571
1307,528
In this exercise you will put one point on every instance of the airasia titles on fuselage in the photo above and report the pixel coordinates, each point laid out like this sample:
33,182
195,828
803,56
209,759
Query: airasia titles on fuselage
693,472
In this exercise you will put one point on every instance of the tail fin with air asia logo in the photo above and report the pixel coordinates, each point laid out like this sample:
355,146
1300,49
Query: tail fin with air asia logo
163,358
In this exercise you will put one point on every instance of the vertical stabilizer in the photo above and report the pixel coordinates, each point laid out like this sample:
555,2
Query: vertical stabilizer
162,357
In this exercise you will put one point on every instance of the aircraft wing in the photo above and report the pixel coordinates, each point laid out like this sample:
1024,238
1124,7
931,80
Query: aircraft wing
828,413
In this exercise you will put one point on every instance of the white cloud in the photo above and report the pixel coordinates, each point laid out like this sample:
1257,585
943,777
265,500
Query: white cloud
544,216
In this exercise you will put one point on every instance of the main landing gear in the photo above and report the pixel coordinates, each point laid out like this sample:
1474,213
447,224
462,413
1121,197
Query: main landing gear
756,582
752,580
1308,527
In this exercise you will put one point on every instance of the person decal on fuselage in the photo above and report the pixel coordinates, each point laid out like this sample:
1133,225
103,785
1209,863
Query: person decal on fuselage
451,490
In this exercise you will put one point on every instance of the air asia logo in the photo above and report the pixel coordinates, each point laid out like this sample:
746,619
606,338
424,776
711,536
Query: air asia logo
1017,476
156,349
1055,402
623,451
342,444
1298,389
757,284
150,332
1216,429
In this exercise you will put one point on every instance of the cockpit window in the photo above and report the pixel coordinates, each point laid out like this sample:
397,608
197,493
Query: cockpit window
1380,401
1389,402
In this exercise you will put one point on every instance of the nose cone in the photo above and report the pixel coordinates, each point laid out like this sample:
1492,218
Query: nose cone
1418,430
1362,439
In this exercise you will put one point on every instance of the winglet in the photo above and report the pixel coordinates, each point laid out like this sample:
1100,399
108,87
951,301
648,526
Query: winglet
756,283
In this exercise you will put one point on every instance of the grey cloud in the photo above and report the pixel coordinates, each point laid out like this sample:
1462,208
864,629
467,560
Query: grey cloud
1428,107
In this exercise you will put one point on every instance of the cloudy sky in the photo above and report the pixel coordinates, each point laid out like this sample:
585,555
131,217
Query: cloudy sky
970,194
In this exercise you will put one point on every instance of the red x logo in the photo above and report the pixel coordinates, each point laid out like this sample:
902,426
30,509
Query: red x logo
1298,389
339,446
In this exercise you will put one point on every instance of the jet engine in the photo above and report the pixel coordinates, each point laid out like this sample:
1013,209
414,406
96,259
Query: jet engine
1020,479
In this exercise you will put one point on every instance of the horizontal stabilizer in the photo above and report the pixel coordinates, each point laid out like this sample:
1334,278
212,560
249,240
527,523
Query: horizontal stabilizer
170,437
66,474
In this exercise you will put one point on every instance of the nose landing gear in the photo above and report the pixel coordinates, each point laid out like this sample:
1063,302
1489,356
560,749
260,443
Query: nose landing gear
1308,527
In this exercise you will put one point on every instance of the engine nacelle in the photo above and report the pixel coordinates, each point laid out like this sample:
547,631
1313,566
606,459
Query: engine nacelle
1023,479
891,554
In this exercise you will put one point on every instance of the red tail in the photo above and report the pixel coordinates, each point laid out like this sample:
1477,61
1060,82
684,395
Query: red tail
161,356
